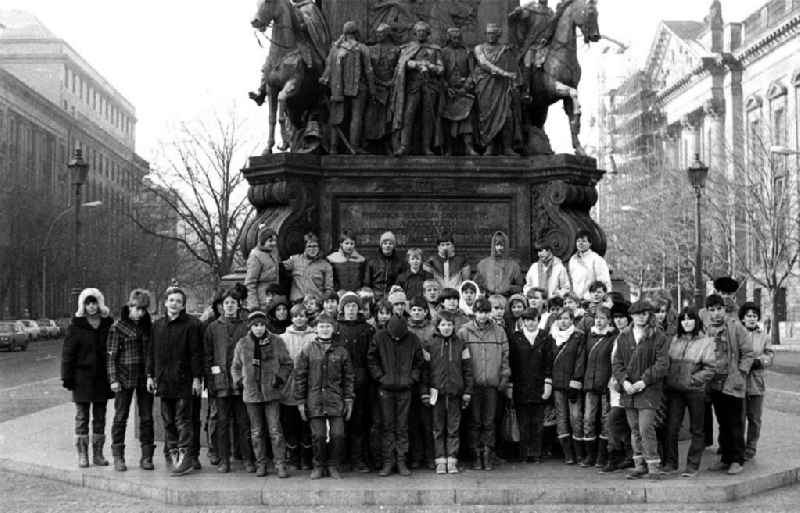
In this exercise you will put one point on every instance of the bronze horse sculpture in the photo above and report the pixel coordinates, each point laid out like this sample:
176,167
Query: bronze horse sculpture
299,43
555,72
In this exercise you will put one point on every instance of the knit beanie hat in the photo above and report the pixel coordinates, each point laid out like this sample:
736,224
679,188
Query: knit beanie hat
139,298
257,317
325,318
350,297
418,302
397,297
387,236
449,293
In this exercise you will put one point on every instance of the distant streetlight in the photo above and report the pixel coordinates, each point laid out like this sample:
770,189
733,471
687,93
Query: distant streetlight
79,171
697,173
91,204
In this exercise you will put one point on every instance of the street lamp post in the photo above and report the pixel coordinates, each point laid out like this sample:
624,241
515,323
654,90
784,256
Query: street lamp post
55,220
698,172
79,170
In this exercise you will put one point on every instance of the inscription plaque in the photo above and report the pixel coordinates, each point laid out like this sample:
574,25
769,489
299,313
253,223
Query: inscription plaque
417,222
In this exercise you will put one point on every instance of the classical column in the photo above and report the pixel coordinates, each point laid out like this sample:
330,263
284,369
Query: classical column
718,148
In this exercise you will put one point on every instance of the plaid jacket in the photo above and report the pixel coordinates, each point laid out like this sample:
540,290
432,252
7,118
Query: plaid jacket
126,349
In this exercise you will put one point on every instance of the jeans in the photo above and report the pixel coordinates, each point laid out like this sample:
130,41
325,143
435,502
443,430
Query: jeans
483,407
375,427
122,406
358,428
420,426
619,433
730,417
446,419
643,433
531,425
594,405
178,430
296,432
569,417
394,408
677,402
98,414
327,440
754,406
211,426
266,415
228,408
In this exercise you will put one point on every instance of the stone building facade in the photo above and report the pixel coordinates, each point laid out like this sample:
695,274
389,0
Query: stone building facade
51,101
718,89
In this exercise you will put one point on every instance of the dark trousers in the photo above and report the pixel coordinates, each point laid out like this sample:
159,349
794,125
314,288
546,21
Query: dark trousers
197,405
376,427
296,432
358,428
595,413
677,403
266,417
708,422
229,408
178,430
394,411
420,426
211,426
483,408
531,425
729,411
98,415
122,406
619,433
753,408
327,440
446,419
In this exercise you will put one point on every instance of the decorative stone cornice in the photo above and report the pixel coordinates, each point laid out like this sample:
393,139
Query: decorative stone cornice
753,102
714,108
776,89
760,47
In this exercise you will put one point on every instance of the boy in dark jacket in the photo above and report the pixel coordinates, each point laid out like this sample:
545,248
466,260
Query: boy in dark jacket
356,336
531,361
261,366
383,270
324,389
420,418
413,279
127,340
174,369
641,362
450,389
395,362
599,344
449,303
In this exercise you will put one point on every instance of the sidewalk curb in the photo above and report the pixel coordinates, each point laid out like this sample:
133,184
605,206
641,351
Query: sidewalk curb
675,491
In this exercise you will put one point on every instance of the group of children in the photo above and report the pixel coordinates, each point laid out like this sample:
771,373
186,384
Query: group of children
411,374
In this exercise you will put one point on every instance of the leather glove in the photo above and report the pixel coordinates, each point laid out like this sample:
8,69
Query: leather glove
573,395
757,364
348,409
302,409
277,382
548,391
628,387
151,385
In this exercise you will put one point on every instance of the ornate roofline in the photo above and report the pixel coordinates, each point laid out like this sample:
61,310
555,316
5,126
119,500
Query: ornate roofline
761,46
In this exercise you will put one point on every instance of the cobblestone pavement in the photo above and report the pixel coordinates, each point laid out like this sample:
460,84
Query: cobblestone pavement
34,495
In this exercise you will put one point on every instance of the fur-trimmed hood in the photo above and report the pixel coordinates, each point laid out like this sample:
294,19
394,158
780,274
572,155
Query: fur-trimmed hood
101,302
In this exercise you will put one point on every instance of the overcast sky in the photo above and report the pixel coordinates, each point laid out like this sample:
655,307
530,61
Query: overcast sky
175,59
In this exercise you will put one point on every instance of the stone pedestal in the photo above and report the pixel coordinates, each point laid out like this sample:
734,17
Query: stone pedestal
418,198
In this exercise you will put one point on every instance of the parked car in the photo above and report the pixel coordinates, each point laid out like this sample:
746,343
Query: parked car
49,328
13,336
32,329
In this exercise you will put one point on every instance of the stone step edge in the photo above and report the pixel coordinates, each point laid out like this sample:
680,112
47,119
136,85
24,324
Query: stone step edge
677,491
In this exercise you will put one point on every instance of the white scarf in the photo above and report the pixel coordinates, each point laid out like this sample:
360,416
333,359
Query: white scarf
561,336
530,335
606,331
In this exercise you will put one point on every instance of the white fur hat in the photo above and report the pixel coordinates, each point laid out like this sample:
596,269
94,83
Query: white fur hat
101,302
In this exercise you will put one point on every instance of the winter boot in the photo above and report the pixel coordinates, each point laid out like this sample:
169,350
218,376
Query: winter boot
305,457
452,466
487,459
293,456
569,451
477,462
146,462
386,470
441,465
170,459
250,466
196,462
613,461
280,468
333,472
654,471
97,450
118,452
602,453
580,453
317,473
590,457
224,466
402,468
82,444
639,469
184,464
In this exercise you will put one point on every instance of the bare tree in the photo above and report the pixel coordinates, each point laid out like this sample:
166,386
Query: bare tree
197,177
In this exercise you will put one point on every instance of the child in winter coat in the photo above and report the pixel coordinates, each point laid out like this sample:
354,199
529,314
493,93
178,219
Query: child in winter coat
324,391
311,274
349,267
595,383
469,293
395,362
127,340
488,346
330,304
619,433
498,312
297,431
84,373
432,292
450,390
356,335
261,366
413,279
531,362
569,361
516,305
263,269
219,341
450,300
420,418
750,315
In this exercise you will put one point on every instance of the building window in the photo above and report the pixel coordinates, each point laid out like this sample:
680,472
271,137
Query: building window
779,125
